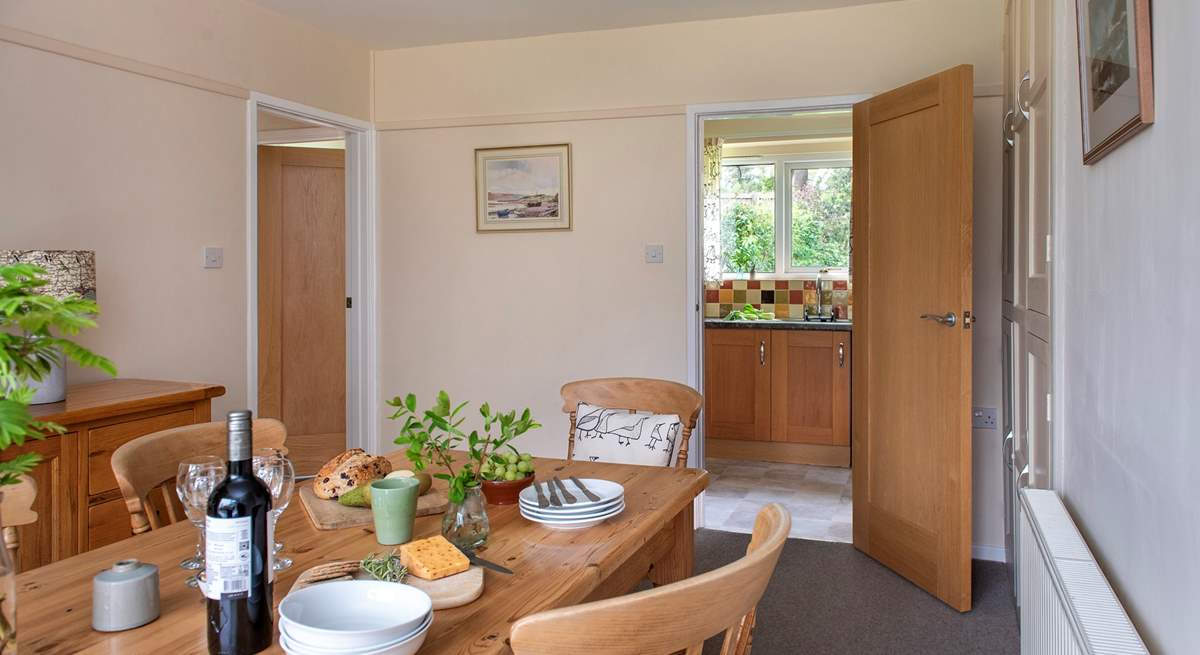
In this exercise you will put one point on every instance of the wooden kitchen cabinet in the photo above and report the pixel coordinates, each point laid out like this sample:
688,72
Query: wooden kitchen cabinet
78,504
810,387
737,384
777,395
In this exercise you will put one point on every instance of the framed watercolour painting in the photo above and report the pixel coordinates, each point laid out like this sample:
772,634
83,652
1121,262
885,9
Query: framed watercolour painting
523,188
1116,75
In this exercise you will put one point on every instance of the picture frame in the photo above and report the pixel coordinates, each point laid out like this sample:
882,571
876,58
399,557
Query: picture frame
1116,73
523,188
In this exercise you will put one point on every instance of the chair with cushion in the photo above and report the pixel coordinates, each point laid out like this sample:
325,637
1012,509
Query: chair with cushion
145,467
667,619
16,509
631,420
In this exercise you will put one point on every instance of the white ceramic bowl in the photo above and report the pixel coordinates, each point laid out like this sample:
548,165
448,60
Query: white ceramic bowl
348,614
406,646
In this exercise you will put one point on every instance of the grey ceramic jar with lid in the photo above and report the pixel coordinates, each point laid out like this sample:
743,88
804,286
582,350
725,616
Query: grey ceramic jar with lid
125,596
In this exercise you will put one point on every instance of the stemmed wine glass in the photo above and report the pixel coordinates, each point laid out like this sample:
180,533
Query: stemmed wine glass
272,466
194,483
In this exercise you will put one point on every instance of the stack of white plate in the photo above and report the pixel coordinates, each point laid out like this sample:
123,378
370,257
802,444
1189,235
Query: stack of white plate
583,513
355,617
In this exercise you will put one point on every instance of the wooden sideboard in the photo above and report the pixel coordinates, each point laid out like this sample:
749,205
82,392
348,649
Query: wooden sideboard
78,503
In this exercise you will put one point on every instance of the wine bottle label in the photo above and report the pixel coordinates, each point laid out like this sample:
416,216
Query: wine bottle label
227,557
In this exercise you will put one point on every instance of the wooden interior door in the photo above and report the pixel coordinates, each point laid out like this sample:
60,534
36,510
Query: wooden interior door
302,292
911,438
810,387
737,384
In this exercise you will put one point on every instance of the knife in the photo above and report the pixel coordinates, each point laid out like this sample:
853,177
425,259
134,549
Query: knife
587,492
479,561
542,502
553,495
562,490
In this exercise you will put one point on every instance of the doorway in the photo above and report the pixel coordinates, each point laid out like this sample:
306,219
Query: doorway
312,278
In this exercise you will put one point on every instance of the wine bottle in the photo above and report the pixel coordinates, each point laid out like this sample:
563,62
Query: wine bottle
238,553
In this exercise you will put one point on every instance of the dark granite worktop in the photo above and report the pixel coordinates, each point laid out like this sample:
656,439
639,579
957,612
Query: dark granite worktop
777,324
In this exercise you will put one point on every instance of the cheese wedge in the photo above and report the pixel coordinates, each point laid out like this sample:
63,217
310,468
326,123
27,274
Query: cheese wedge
433,558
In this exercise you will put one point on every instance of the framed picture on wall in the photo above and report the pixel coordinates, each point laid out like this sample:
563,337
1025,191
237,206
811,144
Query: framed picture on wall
523,188
1116,75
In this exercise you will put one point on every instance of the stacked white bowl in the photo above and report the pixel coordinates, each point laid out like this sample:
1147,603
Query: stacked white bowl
355,617
565,515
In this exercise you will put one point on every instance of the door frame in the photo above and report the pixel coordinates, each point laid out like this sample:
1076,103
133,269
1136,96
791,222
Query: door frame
362,276
694,303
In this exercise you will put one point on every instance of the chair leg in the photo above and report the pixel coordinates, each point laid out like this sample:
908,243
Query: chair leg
12,541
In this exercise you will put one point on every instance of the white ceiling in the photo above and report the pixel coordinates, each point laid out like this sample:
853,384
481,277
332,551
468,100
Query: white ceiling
383,24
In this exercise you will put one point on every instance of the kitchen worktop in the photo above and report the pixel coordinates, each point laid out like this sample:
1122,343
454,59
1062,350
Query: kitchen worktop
778,324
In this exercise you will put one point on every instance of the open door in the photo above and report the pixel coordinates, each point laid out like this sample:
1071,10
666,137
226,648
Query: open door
912,332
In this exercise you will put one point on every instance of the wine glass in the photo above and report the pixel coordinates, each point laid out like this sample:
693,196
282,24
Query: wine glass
272,466
194,483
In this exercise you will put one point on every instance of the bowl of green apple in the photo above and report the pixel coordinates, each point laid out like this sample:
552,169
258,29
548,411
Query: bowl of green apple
505,475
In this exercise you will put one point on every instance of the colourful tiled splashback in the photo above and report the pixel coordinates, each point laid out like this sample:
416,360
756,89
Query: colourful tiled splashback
787,298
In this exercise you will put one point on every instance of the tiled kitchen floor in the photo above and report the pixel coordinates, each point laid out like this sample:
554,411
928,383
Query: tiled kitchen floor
817,496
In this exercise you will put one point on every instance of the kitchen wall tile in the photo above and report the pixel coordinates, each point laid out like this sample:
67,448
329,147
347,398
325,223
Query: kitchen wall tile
723,310
711,310
712,295
740,285
753,296
787,298
725,295
739,296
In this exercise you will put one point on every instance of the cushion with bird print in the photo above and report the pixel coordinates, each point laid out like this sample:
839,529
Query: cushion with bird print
604,434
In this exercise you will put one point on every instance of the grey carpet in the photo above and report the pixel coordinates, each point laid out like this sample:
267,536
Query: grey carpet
829,598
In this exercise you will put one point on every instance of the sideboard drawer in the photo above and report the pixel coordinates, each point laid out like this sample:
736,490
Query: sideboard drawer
108,523
102,441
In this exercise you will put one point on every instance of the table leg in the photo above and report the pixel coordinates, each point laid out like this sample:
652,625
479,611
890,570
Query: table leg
678,562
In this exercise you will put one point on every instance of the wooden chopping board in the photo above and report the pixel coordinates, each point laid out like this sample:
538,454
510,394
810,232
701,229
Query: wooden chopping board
451,591
332,515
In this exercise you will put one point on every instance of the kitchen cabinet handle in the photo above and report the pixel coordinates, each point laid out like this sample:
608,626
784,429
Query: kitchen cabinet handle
1023,103
1008,129
762,353
842,355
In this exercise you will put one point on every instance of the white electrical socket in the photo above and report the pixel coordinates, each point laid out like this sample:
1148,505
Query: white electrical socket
654,253
214,257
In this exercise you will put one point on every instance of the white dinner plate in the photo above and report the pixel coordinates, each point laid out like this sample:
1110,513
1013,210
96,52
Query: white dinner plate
605,489
573,524
575,510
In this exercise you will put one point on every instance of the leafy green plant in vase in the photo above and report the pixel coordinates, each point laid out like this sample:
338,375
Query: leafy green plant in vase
32,326
435,437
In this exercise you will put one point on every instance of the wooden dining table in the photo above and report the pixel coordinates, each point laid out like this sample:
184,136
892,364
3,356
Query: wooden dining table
652,538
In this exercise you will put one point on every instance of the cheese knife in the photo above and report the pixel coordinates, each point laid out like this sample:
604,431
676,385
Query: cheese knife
479,561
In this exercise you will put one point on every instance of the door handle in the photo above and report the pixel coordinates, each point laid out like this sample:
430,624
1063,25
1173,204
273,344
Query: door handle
1023,478
842,355
1008,129
1008,450
762,353
949,319
1023,103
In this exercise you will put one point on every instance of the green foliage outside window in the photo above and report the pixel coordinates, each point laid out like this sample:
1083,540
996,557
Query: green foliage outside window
821,217
748,218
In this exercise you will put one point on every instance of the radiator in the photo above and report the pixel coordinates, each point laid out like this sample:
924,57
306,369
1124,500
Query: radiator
1067,605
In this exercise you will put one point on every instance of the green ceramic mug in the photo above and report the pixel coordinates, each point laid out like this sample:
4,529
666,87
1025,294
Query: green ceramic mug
394,504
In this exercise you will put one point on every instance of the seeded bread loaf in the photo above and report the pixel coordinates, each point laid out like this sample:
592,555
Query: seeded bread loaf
433,558
348,470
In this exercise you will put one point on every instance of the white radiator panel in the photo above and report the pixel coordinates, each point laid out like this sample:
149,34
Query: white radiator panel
1067,605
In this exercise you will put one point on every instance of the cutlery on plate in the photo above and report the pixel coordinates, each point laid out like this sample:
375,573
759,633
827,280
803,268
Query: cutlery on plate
587,492
479,561
542,502
553,496
562,489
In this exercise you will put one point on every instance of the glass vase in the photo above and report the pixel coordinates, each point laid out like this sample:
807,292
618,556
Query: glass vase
466,524
8,599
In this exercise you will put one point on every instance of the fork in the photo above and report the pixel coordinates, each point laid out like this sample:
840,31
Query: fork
562,489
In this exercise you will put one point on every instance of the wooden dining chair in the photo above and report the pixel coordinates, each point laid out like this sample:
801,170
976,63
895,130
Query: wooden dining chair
16,509
145,467
667,619
636,395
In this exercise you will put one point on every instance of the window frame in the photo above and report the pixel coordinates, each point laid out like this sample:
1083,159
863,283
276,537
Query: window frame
784,165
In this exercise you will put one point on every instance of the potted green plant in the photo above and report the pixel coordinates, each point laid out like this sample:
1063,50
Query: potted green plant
431,437
32,326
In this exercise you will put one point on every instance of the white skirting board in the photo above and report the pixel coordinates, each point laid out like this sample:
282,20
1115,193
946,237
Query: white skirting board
987,553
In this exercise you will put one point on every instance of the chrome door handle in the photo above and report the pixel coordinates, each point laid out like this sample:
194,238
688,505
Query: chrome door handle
1008,450
762,353
1008,130
1022,102
949,319
842,355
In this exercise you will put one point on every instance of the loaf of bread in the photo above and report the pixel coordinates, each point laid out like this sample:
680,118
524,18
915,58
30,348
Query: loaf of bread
348,470
433,558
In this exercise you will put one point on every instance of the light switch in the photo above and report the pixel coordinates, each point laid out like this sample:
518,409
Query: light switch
214,257
654,253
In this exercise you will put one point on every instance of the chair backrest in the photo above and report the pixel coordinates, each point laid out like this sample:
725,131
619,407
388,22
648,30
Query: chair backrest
145,467
674,617
636,394
17,509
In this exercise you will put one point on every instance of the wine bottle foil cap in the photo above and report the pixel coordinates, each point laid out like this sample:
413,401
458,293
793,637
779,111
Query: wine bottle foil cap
238,425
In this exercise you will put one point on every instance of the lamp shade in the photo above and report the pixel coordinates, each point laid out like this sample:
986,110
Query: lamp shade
69,272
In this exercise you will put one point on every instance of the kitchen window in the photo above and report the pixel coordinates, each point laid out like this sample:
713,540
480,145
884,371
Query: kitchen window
812,210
